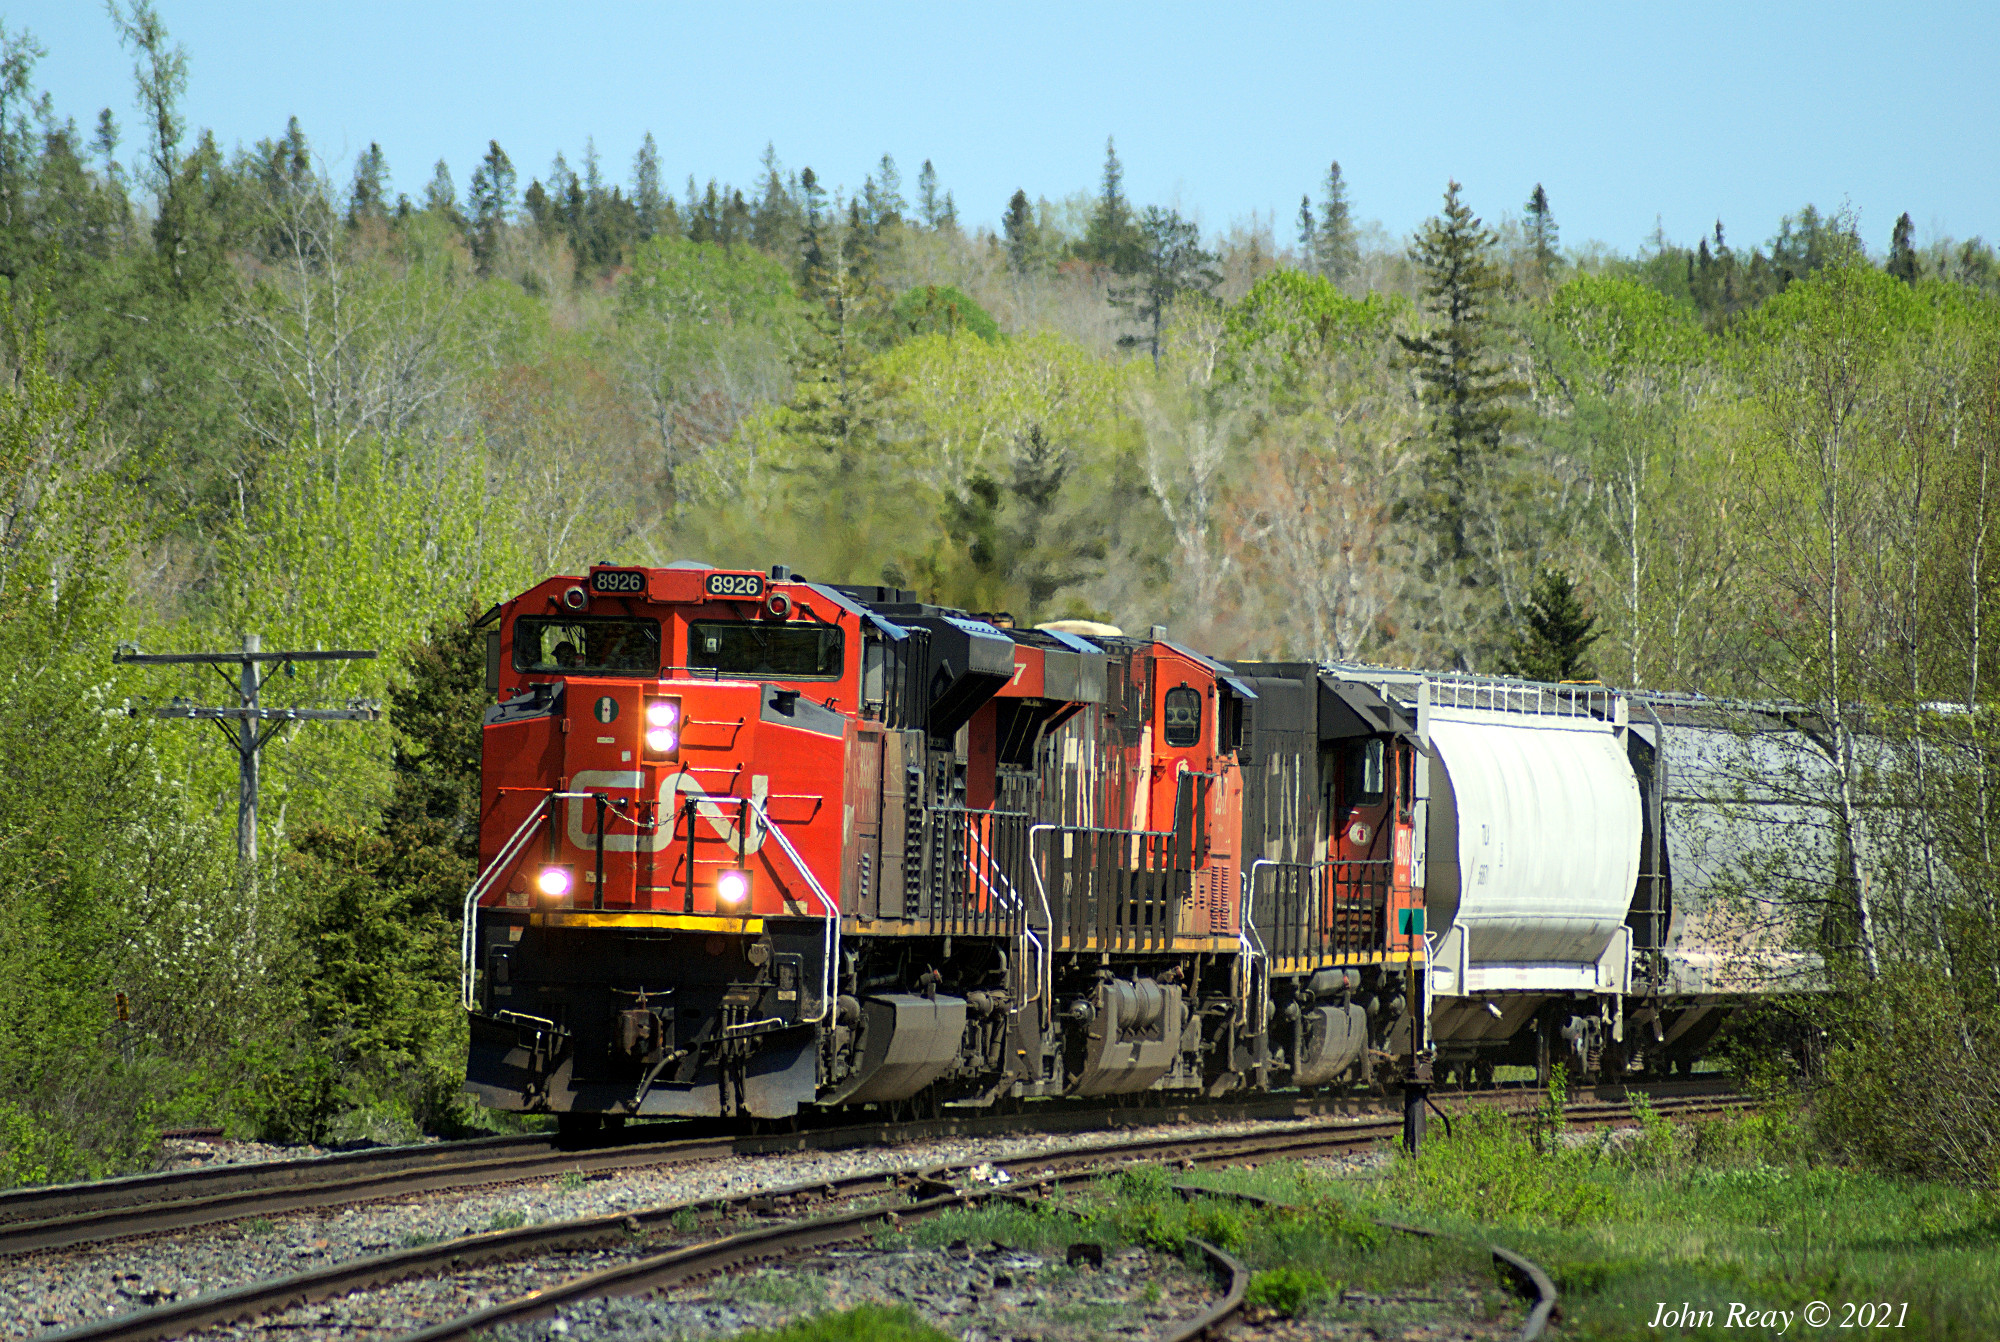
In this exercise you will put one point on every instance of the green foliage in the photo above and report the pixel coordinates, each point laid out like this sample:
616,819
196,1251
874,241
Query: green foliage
1491,1170
863,1323
1168,267
1291,324
375,918
933,309
1555,631
1288,1290
1916,1098
1460,362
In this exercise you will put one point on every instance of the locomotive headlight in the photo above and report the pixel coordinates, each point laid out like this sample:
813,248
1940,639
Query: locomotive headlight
732,887
663,729
554,882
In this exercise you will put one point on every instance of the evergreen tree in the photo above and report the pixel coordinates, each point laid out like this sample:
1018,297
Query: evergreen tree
369,197
105,144
491,198
1465,381
1335,254
1542,235
1554,633
1308,233
948,215
650,203
777,217
1111,238
928,203
1903,263
812,232
441,194
1171,263
882,202
1018,224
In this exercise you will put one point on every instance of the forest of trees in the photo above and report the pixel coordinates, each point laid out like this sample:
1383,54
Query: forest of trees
248,391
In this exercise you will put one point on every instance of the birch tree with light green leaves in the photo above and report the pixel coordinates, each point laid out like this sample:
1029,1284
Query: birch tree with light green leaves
1630,376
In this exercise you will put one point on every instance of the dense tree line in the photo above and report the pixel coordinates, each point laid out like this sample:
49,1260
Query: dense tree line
254,392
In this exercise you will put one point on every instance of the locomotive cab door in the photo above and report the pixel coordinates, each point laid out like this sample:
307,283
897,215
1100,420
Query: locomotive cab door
1360,844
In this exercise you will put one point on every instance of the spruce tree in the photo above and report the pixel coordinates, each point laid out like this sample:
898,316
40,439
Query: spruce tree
928,203
1171,262
368,199
1308,234
948,215
882,203
1542,235
1903,263
649,203
1465,380
812,271
1018,224
776,218
1334,252
1111,238
491,197
1555,631
441,195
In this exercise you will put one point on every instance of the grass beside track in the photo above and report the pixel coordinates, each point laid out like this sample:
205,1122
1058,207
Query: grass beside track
1697,1217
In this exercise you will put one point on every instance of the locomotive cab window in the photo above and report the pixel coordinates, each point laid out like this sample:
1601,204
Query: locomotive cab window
763,650
1365,769
570,645
1183,714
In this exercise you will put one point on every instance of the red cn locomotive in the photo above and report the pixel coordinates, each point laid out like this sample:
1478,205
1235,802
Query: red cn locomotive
751,843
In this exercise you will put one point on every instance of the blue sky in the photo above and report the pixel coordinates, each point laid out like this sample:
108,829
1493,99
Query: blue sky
1627,114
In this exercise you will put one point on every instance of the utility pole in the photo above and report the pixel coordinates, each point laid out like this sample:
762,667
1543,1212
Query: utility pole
240,724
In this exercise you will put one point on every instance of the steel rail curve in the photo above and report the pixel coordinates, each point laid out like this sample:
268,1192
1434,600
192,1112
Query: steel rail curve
62,1216
262,1298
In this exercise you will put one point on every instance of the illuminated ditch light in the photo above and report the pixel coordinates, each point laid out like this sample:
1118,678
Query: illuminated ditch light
554,882
732,887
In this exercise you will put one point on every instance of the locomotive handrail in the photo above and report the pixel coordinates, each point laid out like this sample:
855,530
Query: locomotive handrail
468,932
1044,992
1334,864
1027,927
832,936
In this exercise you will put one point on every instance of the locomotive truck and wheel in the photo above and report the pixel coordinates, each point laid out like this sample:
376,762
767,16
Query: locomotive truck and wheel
752,844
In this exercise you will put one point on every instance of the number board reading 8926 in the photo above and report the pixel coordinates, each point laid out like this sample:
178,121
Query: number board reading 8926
743,586
618,581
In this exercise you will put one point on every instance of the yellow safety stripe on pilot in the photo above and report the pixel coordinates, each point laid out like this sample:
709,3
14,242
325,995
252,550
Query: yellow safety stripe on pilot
672,922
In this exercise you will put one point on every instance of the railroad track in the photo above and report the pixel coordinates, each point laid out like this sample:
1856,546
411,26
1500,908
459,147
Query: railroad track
35,1219
932,1191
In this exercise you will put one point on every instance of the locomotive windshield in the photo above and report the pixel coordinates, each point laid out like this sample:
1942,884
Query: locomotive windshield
766,651
614,647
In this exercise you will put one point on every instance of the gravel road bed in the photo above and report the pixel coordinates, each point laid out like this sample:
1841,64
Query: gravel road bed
63,1288
990,1294
1435,1314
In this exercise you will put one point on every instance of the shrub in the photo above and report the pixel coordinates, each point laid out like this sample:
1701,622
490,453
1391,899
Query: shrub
864,1323
1489,1170
1288,1290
